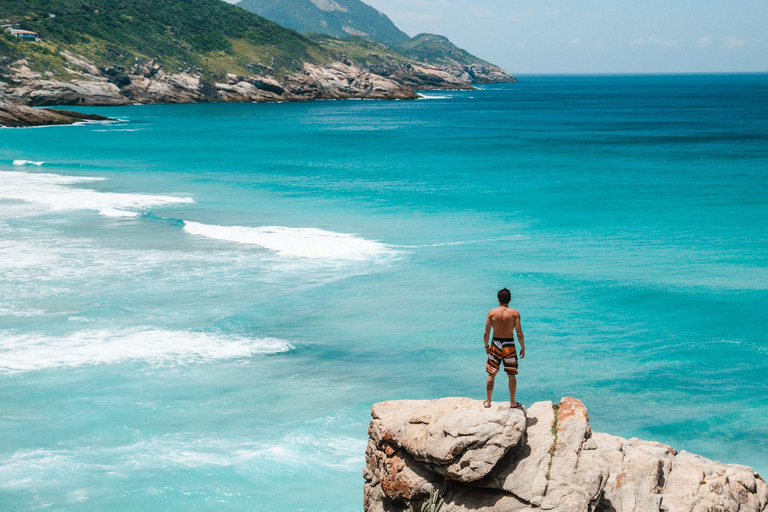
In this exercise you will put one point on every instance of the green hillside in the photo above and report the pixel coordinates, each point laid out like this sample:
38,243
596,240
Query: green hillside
337,18
209,35
359,50
438,51
345,19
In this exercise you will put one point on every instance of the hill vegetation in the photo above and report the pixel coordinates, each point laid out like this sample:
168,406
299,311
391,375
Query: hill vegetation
438,50
337,18
353,19
208,35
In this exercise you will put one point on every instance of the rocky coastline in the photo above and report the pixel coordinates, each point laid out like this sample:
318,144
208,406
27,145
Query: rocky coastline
545,458
148,82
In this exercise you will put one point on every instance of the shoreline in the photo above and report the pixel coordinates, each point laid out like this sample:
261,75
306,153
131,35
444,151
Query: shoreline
26,116
149,83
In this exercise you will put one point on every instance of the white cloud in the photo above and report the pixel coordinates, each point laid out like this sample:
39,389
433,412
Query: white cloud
575,41
703,41
733,42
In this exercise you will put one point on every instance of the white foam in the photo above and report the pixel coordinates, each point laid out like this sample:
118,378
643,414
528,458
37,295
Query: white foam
120,130
7,309
57,193
300,448
298,242
27,162
38,468
60,193
32,352
468,242
114,212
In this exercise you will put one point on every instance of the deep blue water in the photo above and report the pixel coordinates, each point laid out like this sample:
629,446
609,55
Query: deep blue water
160,349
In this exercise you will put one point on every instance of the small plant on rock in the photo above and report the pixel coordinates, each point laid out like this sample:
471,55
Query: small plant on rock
435,502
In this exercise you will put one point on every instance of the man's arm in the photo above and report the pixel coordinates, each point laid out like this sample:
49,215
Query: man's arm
487,333
520,337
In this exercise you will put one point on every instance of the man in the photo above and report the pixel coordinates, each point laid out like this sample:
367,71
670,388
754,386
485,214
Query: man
504,321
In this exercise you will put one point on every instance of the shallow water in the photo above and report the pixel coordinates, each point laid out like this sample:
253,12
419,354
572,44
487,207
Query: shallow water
200,302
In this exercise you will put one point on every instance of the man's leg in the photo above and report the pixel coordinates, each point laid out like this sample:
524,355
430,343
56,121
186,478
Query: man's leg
512,389
489,388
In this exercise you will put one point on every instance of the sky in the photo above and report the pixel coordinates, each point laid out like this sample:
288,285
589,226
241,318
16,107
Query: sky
600,36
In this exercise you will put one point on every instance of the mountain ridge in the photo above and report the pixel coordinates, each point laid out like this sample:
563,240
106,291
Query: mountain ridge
337,18
439,51
349,18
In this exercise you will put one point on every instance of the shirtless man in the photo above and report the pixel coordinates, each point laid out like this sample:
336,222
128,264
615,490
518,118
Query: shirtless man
504,321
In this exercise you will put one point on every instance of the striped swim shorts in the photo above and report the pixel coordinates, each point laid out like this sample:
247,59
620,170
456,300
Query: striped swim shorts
502,349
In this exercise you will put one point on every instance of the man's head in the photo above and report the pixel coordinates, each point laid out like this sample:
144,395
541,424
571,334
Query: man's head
504,296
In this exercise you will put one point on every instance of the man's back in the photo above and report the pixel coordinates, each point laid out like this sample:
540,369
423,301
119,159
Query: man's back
503,321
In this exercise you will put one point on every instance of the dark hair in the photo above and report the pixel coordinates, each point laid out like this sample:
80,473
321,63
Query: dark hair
504,296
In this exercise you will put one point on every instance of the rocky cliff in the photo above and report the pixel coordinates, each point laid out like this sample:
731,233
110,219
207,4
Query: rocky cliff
148,82
545,458
110,52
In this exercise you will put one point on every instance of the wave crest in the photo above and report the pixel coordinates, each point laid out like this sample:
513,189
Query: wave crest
299,242
32,352
55,192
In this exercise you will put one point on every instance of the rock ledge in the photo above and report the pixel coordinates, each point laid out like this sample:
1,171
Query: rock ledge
546,458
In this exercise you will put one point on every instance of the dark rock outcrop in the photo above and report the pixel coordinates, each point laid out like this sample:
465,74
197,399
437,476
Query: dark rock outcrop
14,116
500,459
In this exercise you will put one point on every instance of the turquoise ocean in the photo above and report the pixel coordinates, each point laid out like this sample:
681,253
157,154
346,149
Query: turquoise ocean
200,303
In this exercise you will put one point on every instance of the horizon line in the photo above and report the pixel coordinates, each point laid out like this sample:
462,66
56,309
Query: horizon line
643,73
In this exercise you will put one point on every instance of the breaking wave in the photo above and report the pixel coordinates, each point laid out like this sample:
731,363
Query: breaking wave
27,162
434,97
32,352
56,192
299,242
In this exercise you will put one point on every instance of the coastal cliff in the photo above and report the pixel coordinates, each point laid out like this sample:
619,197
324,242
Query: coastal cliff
109,52
148,82
545,458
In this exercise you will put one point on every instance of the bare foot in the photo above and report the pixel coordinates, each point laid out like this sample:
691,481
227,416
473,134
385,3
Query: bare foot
487,404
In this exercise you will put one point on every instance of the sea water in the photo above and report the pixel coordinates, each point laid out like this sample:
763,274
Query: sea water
200,303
